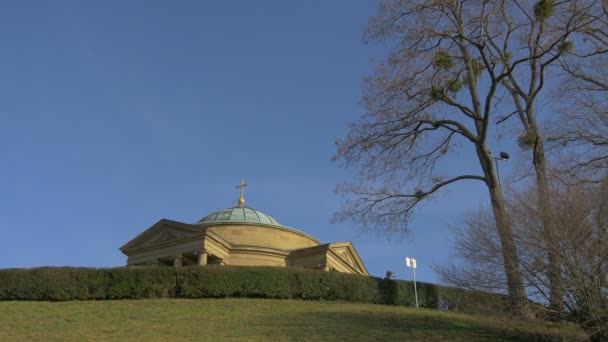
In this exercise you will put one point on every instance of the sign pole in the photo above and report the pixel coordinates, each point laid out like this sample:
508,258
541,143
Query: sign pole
411,262
415,291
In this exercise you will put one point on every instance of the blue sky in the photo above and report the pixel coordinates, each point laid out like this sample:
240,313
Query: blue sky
116,114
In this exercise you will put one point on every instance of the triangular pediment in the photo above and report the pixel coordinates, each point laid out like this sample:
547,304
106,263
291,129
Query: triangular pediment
346,251
345,254
162,232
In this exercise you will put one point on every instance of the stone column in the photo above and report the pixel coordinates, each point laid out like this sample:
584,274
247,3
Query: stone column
178,260
202,257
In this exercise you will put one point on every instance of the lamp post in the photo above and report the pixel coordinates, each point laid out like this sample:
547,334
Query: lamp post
503,156
411,262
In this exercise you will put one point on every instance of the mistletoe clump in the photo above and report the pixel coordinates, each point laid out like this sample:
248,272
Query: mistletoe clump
565,47
443,61
544,9
527,140
454,85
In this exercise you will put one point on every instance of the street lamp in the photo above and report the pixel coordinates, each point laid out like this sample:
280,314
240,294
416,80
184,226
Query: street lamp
503,156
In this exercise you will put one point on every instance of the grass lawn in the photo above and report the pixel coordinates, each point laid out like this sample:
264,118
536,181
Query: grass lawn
256,319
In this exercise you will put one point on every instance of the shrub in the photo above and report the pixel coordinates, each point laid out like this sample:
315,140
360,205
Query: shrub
307,284
68,283
230,281
140,282
350,287
467,301
45,283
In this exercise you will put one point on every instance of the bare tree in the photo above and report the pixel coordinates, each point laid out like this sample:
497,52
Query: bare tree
545,29
583,251
580,247
477,255
579,136
451,66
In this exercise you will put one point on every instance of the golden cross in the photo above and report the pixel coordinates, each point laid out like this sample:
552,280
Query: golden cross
241,198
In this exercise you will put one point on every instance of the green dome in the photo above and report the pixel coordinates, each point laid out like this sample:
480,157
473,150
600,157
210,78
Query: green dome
239,215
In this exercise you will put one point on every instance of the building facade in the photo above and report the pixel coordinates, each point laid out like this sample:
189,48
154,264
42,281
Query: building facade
239,236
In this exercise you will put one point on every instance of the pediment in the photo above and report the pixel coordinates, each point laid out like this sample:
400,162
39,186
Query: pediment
162,232
345,254
168,234
346,251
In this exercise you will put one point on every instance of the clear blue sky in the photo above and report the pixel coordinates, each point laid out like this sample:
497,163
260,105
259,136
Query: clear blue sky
115,114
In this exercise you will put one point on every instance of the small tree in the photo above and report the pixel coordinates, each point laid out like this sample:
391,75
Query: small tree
580,247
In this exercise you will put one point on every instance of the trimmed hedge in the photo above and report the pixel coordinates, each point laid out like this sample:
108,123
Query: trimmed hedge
68,283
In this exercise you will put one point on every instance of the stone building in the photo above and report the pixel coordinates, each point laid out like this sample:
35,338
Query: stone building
239,236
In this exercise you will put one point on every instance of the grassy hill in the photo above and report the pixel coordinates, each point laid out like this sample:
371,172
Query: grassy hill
257,320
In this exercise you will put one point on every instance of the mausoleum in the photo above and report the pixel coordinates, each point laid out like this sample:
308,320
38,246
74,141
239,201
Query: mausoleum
240,236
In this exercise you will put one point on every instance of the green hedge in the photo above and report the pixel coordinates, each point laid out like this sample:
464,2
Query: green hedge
455,299
67,283
402,293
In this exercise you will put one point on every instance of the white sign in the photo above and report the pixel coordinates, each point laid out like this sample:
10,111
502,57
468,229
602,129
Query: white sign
411,262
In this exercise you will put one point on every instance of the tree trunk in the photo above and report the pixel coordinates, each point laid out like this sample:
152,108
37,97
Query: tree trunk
515,285
556,291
